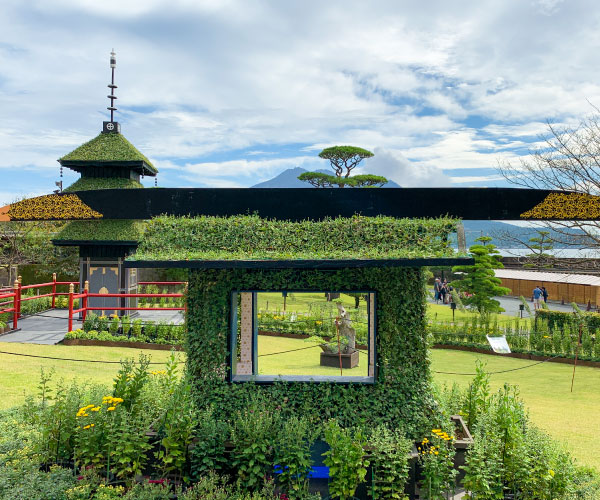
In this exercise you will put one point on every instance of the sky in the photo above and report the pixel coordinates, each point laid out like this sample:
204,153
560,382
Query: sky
230,93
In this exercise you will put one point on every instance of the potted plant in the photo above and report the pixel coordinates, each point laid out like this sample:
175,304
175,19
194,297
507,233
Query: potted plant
345,459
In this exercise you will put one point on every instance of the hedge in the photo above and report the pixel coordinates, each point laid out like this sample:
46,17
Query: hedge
247,237
401,396
559,319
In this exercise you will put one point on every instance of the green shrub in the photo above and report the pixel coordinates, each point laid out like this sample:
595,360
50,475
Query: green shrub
136,328
24,480
113,328
252,437
208,453
389,460
345,459
126,325
292,455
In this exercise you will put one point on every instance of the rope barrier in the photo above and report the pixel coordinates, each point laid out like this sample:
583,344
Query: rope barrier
502,371
76,360
291,350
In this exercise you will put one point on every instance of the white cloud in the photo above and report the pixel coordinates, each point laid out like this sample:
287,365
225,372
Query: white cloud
203,83
396,167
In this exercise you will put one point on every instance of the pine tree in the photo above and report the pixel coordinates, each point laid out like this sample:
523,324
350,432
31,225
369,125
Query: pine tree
479,280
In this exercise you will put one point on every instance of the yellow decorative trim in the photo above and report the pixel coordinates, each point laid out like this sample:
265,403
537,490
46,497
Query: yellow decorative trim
569,206
52,207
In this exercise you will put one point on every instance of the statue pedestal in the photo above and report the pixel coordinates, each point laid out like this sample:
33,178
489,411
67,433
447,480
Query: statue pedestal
349,360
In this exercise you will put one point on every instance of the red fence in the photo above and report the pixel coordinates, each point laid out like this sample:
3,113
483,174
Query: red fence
14,297
18,294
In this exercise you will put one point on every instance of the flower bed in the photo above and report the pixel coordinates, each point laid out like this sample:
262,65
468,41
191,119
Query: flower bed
115,329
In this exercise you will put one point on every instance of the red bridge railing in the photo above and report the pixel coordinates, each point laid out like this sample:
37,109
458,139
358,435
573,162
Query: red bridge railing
11,298
18,294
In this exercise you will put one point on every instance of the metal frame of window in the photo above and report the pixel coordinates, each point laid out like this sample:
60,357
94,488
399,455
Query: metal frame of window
254,376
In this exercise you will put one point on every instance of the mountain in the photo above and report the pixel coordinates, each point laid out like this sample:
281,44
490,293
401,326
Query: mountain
289,179
495,229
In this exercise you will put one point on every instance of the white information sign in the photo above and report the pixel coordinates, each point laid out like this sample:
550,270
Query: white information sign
499,344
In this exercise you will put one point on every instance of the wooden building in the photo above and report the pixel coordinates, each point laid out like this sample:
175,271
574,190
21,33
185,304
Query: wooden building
578,288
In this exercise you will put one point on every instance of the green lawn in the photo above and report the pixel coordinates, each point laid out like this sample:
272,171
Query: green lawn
300,301
304,362
569,417
19,376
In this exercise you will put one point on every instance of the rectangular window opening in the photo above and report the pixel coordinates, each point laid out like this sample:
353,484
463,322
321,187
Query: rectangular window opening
301,336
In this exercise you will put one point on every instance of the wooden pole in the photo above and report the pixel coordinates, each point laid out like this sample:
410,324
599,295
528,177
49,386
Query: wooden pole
53,290
84,299
576,354
20,280
16,304
337,327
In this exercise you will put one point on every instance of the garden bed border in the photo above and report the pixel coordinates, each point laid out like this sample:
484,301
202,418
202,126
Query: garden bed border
519,355
113,343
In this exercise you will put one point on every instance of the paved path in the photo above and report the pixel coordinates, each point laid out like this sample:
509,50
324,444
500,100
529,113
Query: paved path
511,306
50,327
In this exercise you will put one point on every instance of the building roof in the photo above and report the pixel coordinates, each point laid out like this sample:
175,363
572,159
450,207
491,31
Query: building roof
574,279
108,149
252,238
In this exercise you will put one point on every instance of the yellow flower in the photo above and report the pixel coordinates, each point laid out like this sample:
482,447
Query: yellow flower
551,472
436,430
96,408
86,426
110,408
435,453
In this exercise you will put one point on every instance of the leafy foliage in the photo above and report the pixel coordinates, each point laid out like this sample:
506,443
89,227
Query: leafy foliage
24,243
319,179
90,183
292,455
389,460
345,459
107,148
251,237
479,280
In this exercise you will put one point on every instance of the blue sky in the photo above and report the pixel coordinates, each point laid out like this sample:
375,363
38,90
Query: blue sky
226,93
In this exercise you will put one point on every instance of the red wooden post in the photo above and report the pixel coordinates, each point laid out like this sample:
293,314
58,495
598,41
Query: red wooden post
16,304
185,293
84,299
20,280
71,291
53,290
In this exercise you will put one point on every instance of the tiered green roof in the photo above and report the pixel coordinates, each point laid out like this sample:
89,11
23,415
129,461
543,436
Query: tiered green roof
109,149
101,230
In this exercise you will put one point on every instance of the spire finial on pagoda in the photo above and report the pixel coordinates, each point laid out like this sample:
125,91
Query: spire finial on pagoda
112,126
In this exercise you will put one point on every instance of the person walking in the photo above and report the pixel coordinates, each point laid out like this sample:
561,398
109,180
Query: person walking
545,294
437,287
537,293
